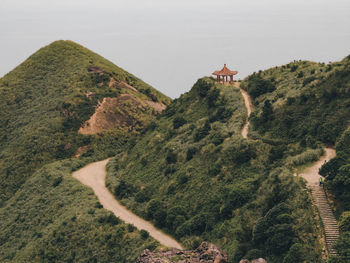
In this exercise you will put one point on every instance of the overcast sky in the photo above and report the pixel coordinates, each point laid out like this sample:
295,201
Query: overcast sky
171,43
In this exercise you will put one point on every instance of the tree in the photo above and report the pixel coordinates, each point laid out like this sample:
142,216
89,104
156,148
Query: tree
178,122
152,207
344,222
295,254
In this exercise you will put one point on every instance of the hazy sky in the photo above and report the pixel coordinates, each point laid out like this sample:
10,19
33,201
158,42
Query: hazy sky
172,43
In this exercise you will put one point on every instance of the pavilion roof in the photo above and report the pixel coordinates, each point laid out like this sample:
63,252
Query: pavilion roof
225,72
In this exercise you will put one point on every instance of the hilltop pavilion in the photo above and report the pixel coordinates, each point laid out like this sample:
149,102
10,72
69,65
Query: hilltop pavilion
225,75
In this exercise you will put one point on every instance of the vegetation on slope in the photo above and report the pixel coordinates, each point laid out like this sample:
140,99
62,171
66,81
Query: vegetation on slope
308,104
54,218
193,175
44,101
301,101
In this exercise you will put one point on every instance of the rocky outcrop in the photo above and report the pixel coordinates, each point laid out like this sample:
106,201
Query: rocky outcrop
259,260
205,253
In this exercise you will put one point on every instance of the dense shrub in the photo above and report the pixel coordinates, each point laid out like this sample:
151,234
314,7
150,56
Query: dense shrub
144,234
258,86
109,219
344,222
171,157
203,87
201,132
124,190
214,170
293,68
235,198
152,207
178,122
222,114
342,246
295,254
142,196
212,97
176,216
191,151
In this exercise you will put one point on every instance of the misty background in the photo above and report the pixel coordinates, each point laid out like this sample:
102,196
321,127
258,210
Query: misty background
171,43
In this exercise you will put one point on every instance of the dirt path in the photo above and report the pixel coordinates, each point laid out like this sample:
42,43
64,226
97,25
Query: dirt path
249,106
329,222
311,173
93,175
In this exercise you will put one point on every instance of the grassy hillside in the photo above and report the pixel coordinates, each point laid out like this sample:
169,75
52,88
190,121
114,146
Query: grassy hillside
193,175
308,104
46,99
54,218
301,101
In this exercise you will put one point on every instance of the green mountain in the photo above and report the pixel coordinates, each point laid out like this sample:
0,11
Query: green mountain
195,176
47,99
187,168
54,218
308,104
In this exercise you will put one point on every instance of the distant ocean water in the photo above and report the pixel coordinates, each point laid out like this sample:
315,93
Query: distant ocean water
170,44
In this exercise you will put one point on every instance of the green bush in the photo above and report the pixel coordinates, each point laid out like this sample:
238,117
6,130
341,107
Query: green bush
202,132
144,234
191,151
344,222
295,254
131,228
258,86
178,122
152,207
176,216
214,170
171,157
203,87
142,196
212,97
109,219
342,246
124,190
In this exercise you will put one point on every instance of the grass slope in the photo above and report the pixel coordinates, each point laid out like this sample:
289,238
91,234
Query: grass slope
193,175
43,104
306,104
53,218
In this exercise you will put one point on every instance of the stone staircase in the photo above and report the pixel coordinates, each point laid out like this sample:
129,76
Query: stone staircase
329,222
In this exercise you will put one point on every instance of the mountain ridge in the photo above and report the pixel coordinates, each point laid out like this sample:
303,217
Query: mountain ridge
187,169
47,98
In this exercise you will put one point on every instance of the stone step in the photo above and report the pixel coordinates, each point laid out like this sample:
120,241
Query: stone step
329,223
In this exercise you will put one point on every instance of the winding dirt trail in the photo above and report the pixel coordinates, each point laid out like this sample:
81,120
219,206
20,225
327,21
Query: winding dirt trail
312,177
249,106
311,173
94,175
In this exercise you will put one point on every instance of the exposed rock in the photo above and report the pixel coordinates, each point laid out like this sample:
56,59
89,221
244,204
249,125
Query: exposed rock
90,94
205,253
158,106
259,260
120,84
122,112
95,70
